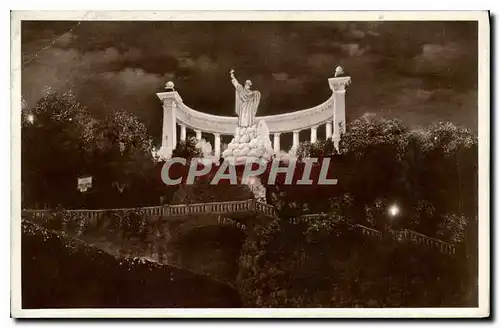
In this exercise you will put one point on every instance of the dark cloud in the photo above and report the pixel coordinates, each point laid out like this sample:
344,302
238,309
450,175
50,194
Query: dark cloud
416,71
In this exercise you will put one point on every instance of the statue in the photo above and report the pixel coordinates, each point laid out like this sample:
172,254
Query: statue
246,102
251,139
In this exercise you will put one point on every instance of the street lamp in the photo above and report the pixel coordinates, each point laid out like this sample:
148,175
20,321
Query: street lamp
394,210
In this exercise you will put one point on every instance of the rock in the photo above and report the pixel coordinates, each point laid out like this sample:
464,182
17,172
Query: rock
245,139
248,144
241,160
256,152
245,151
230,159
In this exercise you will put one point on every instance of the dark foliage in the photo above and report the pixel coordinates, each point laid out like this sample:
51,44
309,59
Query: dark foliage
204,192
187,149
63,142
61,273
329,264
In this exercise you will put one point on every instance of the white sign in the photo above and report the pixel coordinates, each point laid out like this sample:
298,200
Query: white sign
84,183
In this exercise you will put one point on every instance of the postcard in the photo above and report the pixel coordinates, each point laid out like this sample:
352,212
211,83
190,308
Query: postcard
240,164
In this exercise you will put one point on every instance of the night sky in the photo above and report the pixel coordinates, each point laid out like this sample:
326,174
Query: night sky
418,72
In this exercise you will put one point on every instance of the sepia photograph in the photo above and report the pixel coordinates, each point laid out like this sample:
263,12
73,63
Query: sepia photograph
257,164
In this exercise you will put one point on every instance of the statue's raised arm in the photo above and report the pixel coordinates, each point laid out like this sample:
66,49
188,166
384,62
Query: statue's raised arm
233,79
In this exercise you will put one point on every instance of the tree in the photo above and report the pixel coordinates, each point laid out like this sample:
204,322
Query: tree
318,149
373,149
187,149
441,166
453,228
122,159
55,136
204,192
61,142
423,218
369,134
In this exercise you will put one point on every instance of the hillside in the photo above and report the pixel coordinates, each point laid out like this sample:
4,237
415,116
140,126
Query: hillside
60,272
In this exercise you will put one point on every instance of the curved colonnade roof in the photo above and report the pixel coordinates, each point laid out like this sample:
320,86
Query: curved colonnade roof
281,123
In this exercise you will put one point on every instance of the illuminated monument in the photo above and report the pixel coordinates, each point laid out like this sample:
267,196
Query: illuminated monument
251,133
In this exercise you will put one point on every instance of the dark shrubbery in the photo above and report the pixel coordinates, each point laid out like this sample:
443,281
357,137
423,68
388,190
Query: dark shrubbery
61,273
326,264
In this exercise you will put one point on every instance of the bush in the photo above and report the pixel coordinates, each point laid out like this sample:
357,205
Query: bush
330,264
58,272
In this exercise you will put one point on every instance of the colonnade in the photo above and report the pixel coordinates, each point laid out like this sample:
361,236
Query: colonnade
330,114
275,137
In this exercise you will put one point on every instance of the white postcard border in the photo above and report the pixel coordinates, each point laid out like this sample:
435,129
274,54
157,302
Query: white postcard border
482,17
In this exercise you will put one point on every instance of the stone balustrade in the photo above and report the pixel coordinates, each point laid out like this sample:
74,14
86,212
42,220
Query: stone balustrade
404,235
251,205
266,209
171,210
369,231
421,239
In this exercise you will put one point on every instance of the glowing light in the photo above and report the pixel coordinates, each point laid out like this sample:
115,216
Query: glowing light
393,210
31,118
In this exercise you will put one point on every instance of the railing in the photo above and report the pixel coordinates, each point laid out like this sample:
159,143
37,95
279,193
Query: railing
265,208
248,206
369,231
419,238
216,208
404,235
173,210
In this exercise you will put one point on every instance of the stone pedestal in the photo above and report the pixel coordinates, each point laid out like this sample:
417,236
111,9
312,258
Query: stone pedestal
248,144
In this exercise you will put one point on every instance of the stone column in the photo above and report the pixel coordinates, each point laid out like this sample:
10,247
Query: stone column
170,100
183,132
338,86
328,130
295,139
314,134
198,134
276,144
217,145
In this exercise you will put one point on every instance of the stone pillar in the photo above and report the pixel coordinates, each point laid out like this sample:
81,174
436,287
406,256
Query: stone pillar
295,139
276,144
198,134
170,100
314,134
217,145
338,86
183,132
328,130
